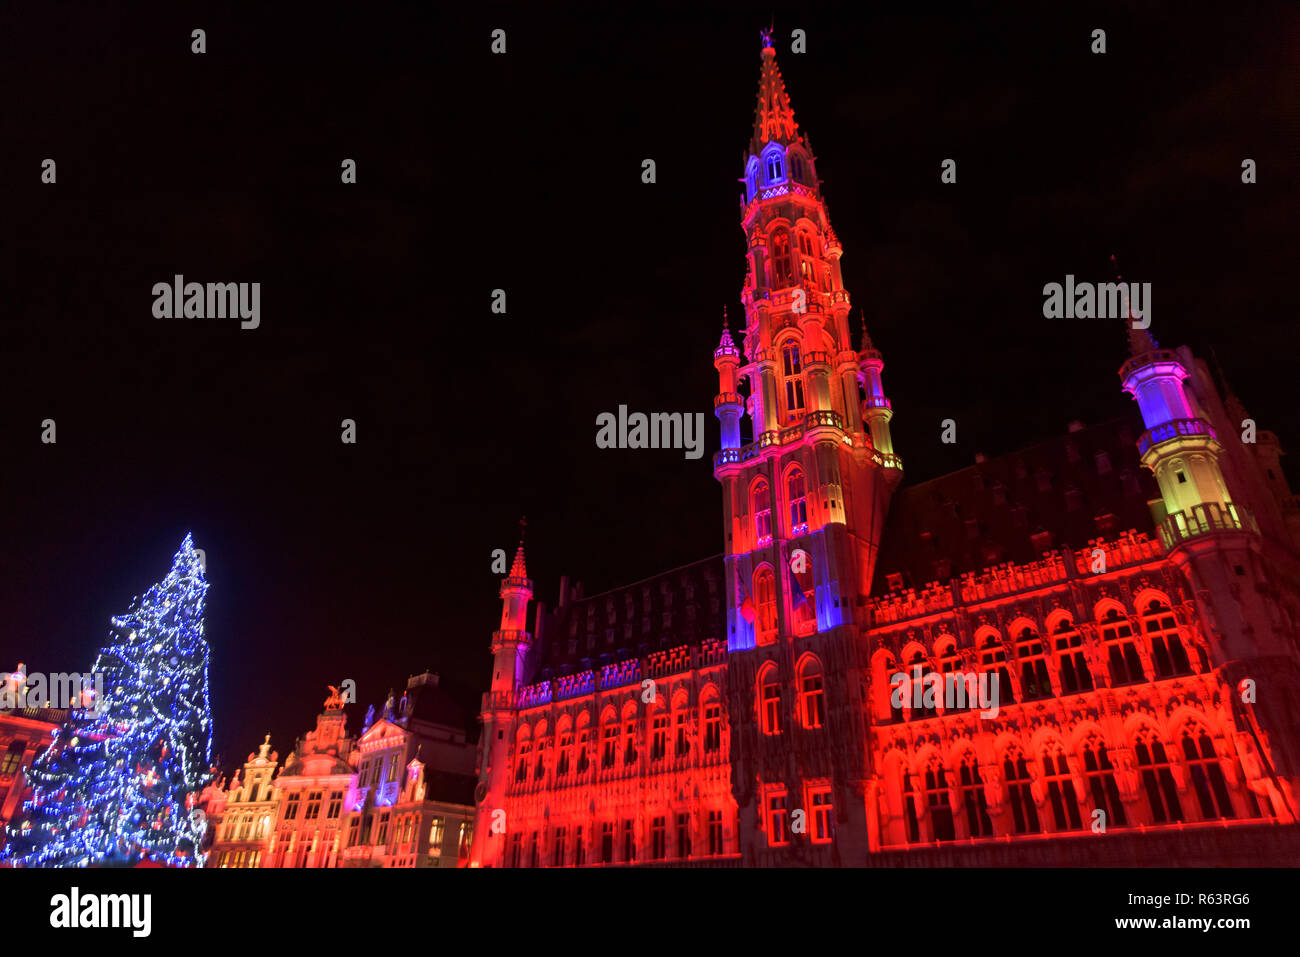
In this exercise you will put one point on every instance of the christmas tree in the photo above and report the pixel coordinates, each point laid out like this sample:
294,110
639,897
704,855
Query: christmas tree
119,783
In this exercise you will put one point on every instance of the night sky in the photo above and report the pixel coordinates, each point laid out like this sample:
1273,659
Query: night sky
522,172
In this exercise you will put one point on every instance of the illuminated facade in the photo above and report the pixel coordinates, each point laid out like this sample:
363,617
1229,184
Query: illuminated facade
1130,591
396,796
24,733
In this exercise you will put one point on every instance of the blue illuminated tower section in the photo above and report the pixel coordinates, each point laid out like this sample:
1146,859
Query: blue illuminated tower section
807,469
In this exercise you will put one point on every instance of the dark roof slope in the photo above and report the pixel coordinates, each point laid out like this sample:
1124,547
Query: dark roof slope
1068,490
683,606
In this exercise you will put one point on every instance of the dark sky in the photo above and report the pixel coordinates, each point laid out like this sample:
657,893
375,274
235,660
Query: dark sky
522,172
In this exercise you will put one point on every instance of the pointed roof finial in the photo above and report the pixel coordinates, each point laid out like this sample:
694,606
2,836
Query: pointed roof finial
774,116
519,569
726,345
866,345
1140,340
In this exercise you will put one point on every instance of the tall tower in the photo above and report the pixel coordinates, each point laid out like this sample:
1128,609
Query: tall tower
804,501
510,644
1244,584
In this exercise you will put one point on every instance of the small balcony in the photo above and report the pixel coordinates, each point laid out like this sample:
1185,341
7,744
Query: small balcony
1206,519
1173,430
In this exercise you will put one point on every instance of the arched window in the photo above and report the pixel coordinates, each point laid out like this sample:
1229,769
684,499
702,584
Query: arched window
1121,649
762,508
564,745
797,496
917,669
909,808
792,374
1207,776
751,179
1024,813
522,752
796,167
1071,662
978,822
1032,658
807,272
953,678
765,600
937,801
1101,781
1060,788
608,741
584,738
782,258
769,700
1168,654
1157,778
993,662
712,724
659,736
812,701
773,167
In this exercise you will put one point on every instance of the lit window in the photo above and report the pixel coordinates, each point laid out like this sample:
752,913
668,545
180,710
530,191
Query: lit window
782,258
765,599
712,726
820,829
769,700
811,696
776,818
762,508
774,167
792,370
798,499
558,849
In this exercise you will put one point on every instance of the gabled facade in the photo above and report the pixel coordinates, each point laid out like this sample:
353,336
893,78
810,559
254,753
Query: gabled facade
398,795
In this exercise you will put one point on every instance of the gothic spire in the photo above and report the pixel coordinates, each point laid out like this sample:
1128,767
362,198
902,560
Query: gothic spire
774,116
519,569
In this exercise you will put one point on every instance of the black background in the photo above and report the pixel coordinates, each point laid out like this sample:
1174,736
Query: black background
522,172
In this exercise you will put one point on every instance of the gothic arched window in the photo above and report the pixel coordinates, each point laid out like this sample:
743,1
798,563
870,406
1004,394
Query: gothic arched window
1168,654
812,698
792,373
937,802
797,496
782,258
762,508
1207,776
978,822
773,167
769,700
1101,781
796,167
1157,779
765,600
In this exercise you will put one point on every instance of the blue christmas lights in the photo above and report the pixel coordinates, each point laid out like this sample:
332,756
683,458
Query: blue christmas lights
120,781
